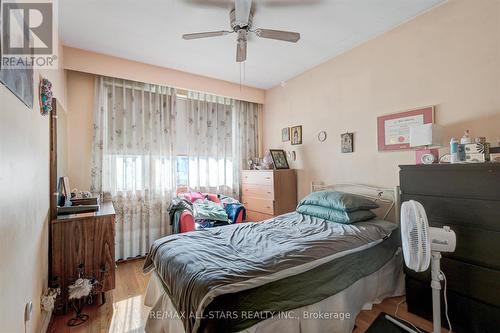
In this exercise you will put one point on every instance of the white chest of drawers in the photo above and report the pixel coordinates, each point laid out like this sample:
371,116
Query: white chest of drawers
267,193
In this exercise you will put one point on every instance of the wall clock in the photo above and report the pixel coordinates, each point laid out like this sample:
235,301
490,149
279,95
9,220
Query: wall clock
322,136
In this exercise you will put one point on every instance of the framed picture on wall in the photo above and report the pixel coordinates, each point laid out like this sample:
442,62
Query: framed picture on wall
347,142
393,130
296,135
285,134
18,79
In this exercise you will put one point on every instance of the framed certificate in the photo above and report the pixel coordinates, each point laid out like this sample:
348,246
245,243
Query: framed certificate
393,130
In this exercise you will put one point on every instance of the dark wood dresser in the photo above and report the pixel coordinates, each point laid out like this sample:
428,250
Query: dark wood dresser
86,239
465,197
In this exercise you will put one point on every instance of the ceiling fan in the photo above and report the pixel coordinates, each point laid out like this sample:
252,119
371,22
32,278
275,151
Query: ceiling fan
241,18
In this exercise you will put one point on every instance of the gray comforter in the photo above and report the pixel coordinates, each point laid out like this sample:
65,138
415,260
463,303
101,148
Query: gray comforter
197,267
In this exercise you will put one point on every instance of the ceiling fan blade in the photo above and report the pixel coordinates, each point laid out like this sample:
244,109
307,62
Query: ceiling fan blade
241,51
286,36
242,9
205,34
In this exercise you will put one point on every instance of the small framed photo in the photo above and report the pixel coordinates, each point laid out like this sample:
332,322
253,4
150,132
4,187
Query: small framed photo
285,134
279,159
296,135
347,142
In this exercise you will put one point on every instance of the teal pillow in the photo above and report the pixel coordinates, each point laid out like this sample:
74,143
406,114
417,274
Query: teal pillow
346,202
335,215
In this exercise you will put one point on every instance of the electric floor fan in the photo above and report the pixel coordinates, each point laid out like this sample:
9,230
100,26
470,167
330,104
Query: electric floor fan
422,246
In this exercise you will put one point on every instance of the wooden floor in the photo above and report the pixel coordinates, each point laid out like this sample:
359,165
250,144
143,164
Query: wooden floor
124,311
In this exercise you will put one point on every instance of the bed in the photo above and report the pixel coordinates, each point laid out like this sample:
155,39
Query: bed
293,273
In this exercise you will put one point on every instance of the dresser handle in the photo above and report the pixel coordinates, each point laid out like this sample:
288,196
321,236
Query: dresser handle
268,192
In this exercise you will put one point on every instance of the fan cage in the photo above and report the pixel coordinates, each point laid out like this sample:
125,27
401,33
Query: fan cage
415,236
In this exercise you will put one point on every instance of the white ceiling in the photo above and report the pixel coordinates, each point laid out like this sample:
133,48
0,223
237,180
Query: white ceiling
150,31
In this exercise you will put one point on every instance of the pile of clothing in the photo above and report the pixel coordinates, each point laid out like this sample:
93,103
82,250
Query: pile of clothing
206,212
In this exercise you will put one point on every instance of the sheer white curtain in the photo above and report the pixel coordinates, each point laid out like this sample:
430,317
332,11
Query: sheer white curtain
222,134
134,159
246,135
209,143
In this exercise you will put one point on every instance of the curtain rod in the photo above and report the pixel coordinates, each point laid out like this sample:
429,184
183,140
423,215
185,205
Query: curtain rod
183,93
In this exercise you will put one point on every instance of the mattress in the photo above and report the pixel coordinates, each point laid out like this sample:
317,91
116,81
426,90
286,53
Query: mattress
341,308
230,279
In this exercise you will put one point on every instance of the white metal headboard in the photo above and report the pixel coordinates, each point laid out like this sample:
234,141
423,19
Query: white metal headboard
389,199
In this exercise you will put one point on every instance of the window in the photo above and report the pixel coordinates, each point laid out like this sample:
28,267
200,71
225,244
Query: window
139,172
130,171
210,171
181,175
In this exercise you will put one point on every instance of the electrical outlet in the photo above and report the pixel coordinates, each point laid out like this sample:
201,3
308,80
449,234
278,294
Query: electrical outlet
28,311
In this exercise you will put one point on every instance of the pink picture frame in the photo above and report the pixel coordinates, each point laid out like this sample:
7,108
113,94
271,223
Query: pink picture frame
393,129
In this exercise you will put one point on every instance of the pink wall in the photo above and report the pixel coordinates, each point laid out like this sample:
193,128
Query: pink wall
448,57
96,63
24,203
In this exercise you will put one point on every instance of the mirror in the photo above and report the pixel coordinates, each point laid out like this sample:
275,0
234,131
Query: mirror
62,141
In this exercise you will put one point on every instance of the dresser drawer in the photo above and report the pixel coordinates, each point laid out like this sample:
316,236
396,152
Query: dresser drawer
468,181
258,191
477,233
472,281
258,205
473,213
469,315
258,177
253,216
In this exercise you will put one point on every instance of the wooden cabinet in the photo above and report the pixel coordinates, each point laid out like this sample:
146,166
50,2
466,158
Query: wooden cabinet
267,193
465,197
87,239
